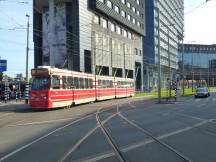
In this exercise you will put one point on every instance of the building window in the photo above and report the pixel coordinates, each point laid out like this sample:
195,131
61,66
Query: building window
104,23
116,8
118,29
112,27
109,4
138,2
134,9
138,13
129,17
96,19
140,52
134,20
123,13
136,51
124,33
138,24
101,1
128,5
129,35
123,1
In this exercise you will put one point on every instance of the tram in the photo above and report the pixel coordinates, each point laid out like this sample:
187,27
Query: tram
55,88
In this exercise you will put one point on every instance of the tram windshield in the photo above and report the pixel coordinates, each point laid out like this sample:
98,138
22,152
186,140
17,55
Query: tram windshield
40,83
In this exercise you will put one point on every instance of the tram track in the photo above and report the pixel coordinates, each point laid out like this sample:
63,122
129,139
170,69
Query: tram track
110,139
17,150
85,137
43,137
118,151
133,146
101,124
148,133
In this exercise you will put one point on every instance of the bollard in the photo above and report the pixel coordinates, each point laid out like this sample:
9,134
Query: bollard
20,95
16,95
26,93
175,94
5,96
8,96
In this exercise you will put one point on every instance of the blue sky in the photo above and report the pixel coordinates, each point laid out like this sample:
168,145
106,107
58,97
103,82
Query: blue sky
200,26
13,42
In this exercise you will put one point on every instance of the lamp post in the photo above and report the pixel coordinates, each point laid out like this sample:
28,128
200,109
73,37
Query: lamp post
159,64
27,57
27,48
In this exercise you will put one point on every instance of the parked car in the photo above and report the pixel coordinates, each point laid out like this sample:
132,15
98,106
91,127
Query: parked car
202,92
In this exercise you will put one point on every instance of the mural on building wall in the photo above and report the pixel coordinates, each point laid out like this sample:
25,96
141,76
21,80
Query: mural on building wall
59,36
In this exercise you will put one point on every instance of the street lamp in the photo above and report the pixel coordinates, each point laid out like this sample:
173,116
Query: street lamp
27,48
27,56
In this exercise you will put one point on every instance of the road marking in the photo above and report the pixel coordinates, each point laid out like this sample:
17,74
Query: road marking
141,143
4,115
214,99
197,100
89,133
193,117
42,122
42,137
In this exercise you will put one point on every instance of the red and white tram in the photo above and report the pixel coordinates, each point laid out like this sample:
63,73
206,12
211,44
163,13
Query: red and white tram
53,88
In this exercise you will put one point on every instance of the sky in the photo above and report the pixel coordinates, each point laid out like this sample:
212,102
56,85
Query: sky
200,27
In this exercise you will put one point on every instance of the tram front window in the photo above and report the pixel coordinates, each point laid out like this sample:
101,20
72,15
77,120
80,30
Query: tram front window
40,83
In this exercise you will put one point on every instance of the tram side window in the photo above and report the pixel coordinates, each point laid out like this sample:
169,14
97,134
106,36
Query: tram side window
111,84
119,84
87,83
104,84
75,83
69,82
90,83
55,82
64,82
81,84
99,83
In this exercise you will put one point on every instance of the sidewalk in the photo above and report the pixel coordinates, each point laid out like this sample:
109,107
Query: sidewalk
12,102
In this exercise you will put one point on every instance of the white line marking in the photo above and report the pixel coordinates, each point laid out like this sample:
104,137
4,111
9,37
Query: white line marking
40,138
193,117
134,146
141,143
42,122
197,100
89,133
4,115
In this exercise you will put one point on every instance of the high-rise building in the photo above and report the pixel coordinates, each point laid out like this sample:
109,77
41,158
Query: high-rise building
171,33
94,36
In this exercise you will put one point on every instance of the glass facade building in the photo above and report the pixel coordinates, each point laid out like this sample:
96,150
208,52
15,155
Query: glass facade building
171,33
199,62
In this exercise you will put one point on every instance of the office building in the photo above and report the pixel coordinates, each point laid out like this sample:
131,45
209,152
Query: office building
199,63
171,33
94,36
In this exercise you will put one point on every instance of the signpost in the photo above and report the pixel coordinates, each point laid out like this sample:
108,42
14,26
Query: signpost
3,65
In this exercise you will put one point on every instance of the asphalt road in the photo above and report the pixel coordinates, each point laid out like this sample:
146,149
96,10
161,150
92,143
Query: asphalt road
117,130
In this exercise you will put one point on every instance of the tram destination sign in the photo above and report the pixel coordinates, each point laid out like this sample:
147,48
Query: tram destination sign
3,65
